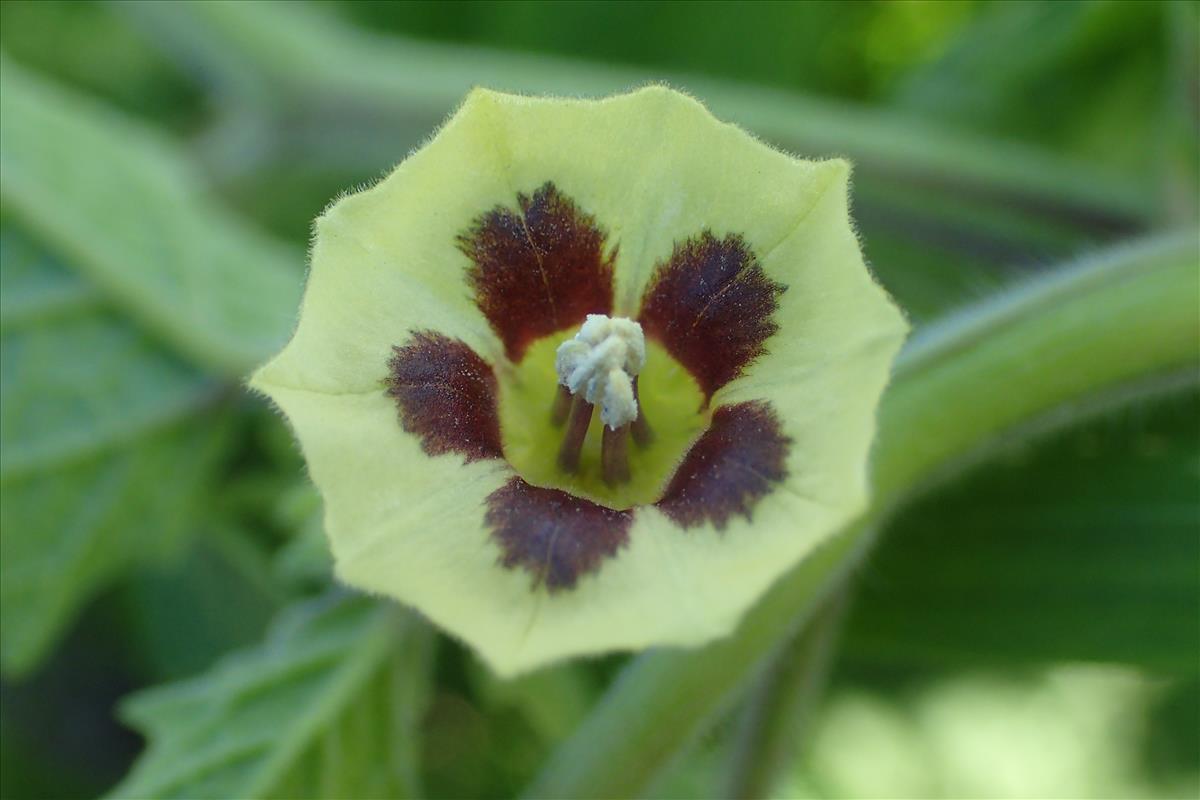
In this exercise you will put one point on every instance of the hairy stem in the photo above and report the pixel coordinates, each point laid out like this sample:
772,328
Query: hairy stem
781,703
1045,351
308,59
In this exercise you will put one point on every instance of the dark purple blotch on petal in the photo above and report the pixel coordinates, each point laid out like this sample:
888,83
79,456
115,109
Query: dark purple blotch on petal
537,269
446,394
554,536
734,464
710,305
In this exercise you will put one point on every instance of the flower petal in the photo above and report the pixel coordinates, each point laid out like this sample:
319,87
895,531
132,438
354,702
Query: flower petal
667,586
461,541
447,396
825,369
556,537
414,528
538,268
711,305
654,168
384,262
741,458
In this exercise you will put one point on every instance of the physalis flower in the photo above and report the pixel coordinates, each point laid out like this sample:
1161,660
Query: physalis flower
586,375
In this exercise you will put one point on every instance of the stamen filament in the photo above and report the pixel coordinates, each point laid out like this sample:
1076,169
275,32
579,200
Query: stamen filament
577,427
642,432
599,367
614,455
562,406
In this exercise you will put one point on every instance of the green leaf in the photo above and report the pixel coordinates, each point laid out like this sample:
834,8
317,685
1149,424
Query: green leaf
304,559
1084,77
309,57
99,461
33,285
85,44
210,592
327,706
553,700
76,379
1083,549
1072,341
123,205
64,534
943,216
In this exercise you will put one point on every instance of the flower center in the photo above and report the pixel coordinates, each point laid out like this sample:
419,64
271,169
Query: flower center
603,362
600,367
548,401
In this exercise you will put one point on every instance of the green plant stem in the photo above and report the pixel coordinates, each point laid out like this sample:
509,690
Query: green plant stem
781,703
1031,356
312,61
1038,356
1179,150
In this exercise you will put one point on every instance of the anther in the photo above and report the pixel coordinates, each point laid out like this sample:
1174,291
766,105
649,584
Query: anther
599,366
600,363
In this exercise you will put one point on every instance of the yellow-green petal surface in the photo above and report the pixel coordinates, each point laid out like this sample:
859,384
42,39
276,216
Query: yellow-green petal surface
653,167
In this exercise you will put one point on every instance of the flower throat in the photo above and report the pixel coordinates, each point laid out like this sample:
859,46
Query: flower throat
600,366
547,406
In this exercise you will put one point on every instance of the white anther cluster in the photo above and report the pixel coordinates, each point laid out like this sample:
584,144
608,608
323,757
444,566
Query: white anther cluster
602,361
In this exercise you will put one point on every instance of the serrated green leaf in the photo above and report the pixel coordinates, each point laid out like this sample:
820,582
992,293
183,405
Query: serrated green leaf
327,706
211,592
1084,549
305,558
76,379
553,700
125,207
66,533
99,462
33,285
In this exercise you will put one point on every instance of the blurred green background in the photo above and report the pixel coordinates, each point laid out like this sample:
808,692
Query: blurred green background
1032,629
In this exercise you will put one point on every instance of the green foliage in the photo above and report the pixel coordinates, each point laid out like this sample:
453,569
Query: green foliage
218,591
68,532
1067,731
1086,66
1050,338
95,408
77,378
832,48
67,40
1001,140
91,413
945,216
325,707
123,204
1084,548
